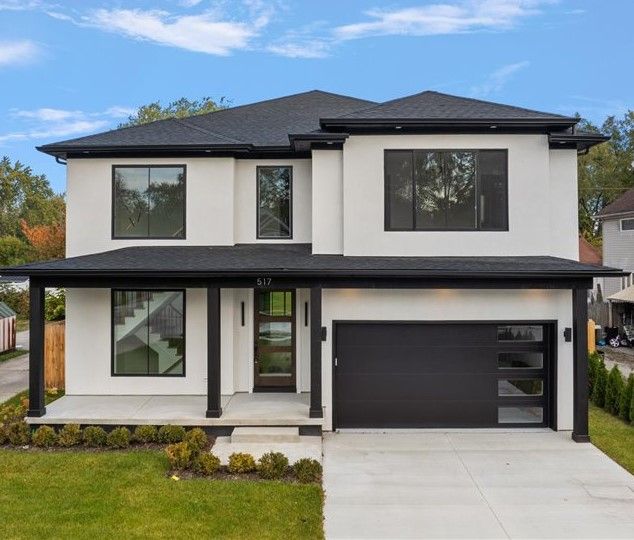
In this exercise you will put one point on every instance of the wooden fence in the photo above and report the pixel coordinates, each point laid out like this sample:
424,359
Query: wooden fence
54,354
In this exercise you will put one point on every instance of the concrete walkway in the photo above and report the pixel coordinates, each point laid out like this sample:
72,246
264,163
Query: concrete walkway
473,485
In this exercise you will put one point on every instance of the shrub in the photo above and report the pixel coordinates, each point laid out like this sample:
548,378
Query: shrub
613,389
600,381
632,410
44,437
207,464
594,360
171,434
196,439
179,455
18,433
626,399
69,435
272,465
145,434
307,470
241,463
118,438
94,436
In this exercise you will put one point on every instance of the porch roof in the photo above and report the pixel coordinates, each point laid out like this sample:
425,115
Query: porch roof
297,260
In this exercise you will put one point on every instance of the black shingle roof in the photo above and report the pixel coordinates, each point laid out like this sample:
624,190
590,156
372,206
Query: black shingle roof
297,259
268,124
265,123
431,105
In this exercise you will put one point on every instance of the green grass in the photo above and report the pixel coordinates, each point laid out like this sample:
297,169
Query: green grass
48,398
612,436
127,495
12,354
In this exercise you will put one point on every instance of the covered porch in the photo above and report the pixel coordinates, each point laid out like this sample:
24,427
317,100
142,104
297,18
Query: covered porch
240,409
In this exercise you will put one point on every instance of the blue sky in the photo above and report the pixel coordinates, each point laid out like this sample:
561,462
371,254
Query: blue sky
70,68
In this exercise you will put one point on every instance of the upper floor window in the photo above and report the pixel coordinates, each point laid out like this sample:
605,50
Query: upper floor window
451,190
275,202
627,224
148,202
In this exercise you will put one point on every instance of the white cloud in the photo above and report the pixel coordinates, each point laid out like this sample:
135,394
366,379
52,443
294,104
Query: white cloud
498,79
441,18
200,33
48,123
18,52
301,49
189,3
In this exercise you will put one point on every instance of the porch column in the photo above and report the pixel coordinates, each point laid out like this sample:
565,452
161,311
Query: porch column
36,349
580,365
214,410
315,353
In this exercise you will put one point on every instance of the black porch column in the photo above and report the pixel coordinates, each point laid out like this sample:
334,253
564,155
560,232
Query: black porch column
315,353
36,349
580,366
214,410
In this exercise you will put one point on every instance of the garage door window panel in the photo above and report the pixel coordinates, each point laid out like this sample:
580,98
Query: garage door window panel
520,387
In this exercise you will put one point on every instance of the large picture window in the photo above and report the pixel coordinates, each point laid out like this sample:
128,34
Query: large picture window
446,190
148,202
148,333
275,202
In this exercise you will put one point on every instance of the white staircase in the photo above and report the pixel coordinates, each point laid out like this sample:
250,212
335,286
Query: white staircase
265,435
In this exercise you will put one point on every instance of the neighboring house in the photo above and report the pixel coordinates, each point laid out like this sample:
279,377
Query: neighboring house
7,328
617,226
405,264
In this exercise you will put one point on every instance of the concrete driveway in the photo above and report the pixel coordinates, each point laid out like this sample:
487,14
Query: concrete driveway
473,485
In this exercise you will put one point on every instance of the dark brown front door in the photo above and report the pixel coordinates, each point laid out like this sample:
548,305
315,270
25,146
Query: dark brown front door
274,340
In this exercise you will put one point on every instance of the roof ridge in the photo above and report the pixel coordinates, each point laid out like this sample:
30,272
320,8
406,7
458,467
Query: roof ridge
184,122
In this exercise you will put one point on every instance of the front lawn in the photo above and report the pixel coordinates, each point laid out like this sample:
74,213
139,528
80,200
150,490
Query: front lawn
51,395
612,436
120,494
12,354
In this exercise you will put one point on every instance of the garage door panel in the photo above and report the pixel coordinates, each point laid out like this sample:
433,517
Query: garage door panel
391,374
433,386
417,359
412,414
376,334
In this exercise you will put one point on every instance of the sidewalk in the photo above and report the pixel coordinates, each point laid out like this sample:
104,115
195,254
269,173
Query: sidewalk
14,373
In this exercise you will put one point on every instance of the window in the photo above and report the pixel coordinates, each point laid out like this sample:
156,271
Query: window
520,360
520,333
148,202
627,224
148,333
274,202
446,190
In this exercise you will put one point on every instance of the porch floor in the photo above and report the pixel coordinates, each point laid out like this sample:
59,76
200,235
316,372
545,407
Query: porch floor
240,409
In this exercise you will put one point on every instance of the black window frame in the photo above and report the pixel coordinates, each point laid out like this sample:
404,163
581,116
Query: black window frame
113,204
478,227
626,230
112,336
257,202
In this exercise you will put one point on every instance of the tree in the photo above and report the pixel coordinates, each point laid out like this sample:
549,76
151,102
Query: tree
605,172
600,382
47,241
181,108
613,389
13,251
26,196
626,398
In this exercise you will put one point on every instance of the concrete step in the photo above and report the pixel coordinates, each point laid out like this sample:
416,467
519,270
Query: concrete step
265,435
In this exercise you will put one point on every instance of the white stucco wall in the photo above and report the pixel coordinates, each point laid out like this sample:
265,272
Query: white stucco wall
563,205
452,305
209,199
245,203
327,199
529,195
89,346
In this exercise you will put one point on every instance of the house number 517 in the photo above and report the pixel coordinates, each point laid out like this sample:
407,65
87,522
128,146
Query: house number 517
263,281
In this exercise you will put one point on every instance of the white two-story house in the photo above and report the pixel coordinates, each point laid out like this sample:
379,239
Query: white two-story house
325,262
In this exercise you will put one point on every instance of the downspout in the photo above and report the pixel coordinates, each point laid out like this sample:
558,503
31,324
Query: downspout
60,160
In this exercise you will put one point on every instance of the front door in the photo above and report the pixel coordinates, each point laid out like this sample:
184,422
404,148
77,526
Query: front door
274,359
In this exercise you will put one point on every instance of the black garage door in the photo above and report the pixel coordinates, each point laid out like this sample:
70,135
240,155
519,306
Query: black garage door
442,374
